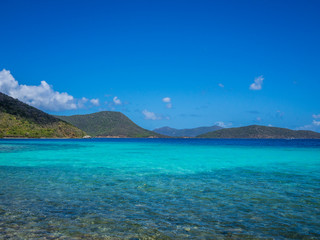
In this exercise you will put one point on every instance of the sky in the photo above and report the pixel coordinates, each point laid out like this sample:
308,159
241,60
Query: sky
172,63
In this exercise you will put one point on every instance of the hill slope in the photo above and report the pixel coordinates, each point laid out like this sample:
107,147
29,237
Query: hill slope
256,131
108,124
18,119
188,132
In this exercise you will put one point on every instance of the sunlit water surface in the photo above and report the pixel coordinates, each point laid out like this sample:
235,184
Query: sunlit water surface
159,189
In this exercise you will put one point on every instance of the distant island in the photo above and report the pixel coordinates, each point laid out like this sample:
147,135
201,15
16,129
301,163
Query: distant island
19,120
109,124
259,132
188,132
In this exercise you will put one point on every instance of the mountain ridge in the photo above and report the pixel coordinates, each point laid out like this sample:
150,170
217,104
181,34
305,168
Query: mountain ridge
186,132
261,132
18,119
108,124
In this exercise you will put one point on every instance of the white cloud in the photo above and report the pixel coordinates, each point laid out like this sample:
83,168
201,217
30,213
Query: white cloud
168,101
116,101
305,127
150,115
169,105
95,101
82,102
221,85
316,123
316,116
257,85
7,82
42,96
314,126
222,124
258,119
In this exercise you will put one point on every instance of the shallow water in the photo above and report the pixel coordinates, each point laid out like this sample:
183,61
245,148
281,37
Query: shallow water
159,189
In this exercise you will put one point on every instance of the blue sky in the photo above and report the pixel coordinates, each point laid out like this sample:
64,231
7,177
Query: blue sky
166,63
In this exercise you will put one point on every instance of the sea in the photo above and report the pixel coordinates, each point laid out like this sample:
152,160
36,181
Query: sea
159,189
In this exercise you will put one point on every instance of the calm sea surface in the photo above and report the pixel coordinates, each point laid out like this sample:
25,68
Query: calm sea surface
159,189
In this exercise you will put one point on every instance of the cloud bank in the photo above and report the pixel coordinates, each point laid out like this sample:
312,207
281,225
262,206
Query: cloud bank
257,85
42,96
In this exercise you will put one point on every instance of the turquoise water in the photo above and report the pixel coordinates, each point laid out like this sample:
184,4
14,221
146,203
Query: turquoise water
159,189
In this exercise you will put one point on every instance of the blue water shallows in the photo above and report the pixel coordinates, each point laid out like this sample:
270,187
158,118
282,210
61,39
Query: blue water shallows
159,189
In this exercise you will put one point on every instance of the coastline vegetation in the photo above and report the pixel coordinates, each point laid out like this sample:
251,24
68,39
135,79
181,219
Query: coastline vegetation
108,124
262,132
18,119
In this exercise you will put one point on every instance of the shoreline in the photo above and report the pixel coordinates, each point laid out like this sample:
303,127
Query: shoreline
123,137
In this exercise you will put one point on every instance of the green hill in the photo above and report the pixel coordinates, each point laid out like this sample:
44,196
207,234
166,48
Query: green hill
108,124
188,132
256,131
18,119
